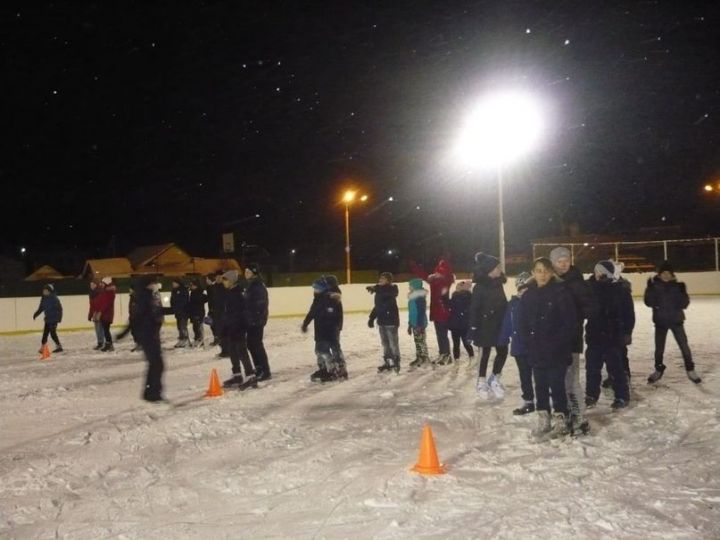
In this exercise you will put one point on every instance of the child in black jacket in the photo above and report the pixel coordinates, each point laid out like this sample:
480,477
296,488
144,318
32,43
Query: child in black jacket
196,312
668,299
326,312
388,320
459,322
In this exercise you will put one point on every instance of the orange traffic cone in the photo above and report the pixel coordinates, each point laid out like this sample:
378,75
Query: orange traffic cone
45,352
428,462
214,390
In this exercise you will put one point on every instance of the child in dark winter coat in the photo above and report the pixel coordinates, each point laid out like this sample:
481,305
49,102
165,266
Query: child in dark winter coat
256,303
196,312
417,321
668,299
179,299
388,320
52,308
607,332
460,319
326,312
511,330
547,328
235,327
487,313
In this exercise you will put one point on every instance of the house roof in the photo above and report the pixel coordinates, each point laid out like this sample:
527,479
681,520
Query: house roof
144,255
43,273
117,267
208,266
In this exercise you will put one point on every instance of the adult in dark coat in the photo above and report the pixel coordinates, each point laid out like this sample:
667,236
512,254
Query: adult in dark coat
547,327
487,312
217,298
145,323
669,299
256,305
179,299
459,322
607,332
235,327
52,308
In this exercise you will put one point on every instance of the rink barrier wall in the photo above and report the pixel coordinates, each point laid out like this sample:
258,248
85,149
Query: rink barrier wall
16,313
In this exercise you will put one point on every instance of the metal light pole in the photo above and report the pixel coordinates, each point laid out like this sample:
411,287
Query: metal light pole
347,241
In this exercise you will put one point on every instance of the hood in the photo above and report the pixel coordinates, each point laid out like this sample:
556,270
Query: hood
415,284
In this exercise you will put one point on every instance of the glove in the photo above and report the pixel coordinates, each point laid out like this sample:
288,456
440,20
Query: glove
409,330
371,323
304,329
628,340
35,316
370,289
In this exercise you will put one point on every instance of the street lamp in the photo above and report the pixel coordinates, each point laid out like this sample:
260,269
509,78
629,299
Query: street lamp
501,129
348,198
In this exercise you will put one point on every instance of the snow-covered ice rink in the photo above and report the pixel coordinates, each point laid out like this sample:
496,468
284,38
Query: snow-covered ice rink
82,457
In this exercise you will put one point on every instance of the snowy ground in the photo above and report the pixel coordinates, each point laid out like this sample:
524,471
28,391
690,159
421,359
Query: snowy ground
82,457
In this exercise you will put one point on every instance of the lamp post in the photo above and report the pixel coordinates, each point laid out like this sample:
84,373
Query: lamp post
348,199
500,130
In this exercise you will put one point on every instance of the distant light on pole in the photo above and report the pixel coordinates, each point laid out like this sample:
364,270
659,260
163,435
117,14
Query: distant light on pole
292,252
708,187
391,199
348,198
389,251
364,198
501,129
23,250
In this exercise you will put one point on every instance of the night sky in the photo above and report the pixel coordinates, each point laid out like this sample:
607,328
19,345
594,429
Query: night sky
176,121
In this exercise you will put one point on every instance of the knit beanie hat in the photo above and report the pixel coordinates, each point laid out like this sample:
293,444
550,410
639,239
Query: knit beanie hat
320,285
484,263
415,284
666,267
387,275
610,269
49,287
231,276
107,280
253,267
558,253
521,281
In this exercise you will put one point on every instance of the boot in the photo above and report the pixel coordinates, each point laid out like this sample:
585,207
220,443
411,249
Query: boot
444,359
559,428
60,349
578,425
526,408
543,425
619,404
109,347
590,401
318,375
694,377
385,366
496,386
656,375
98,347
483,389
235,380
417,362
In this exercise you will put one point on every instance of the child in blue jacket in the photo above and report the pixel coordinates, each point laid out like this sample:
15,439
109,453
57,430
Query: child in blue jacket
417,321
510,330
52,308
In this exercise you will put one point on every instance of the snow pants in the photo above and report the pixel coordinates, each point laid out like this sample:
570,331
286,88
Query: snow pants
678,332
51,330
237,348
550,381
329,355
257,350
612,357
421,350
501,352
575,394
390,343
182,327
198,330
441,333
526,378
461,336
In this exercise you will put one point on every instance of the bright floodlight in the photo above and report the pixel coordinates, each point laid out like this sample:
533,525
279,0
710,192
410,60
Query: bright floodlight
502,128
349,196
708,187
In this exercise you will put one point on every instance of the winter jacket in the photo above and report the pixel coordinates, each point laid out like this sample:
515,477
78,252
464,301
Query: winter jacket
459,307
217,298
668,301
487,309
511,329
612,323
179,300
106,304
196,304
326,313
548,324
334,289
146,316
256,303
417,307
235,318
94,302
52,308
386,308
440,281
584,302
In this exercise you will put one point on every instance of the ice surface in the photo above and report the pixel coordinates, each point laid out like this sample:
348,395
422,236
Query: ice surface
82,457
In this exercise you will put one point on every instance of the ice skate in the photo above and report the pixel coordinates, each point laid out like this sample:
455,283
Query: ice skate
235,380
692,375
319,375
60,349
483,388
590,402
578,425
496,386
250,382
619,404
656,375
543,427
199,344
385,366
98,347
559,428
109,347
526,408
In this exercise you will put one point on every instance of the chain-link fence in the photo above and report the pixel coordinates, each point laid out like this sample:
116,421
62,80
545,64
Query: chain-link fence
686,255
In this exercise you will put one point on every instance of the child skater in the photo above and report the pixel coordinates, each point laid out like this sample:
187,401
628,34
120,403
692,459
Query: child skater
668,299
511,330
547,328
417,321
196,312
609,328
388,320
52,308
460,319
326,313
